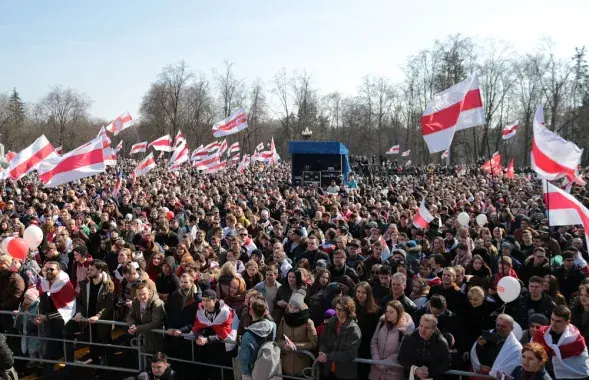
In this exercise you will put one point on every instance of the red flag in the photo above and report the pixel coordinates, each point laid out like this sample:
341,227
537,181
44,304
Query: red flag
510,170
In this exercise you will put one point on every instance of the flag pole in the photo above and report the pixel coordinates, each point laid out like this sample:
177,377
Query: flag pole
490,159
547,201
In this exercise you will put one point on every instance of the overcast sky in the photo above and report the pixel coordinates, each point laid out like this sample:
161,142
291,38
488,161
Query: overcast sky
113,50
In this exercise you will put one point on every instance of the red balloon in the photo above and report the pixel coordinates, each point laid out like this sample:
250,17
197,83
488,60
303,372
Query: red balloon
18,248
170,215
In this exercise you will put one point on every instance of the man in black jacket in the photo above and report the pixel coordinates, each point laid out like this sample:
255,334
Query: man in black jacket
569,276
532,302
425,351
339,267
398,284
181,309
96,302
313,253
160,369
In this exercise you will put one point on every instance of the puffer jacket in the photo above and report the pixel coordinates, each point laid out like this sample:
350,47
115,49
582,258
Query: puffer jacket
385,346
304,337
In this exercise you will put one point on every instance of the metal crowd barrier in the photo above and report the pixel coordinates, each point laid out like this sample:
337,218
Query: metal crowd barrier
310,373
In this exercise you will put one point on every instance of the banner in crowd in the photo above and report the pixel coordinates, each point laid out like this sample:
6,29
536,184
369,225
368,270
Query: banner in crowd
230,125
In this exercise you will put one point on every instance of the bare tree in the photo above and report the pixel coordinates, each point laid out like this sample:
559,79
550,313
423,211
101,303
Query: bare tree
65,109
256,115
231,90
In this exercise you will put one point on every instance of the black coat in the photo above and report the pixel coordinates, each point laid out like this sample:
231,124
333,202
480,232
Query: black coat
455,299
474,320
520,311
569,282
433,353
181,313
341,348
448,323
577,320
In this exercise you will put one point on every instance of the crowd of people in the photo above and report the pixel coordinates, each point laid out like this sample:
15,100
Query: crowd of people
221,265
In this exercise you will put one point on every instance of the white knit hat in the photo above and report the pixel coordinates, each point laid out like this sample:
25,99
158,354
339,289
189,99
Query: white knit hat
297,299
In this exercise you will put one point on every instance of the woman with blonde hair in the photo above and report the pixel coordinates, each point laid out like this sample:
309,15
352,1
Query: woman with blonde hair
227,273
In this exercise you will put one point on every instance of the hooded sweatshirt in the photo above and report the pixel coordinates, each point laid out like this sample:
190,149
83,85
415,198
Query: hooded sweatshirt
255,335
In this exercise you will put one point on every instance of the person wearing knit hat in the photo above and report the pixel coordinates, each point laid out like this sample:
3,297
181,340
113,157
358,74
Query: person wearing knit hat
297,300
29,345
536,321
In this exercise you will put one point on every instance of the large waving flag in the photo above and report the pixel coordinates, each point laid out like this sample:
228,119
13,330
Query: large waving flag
459,107
179,157
423,217
510,130
163,144
179,139
120,124
30,158
84,161
230,125
493,166
139,147
144,166
110,156
63,295
234,148
552,156
394,149
119,146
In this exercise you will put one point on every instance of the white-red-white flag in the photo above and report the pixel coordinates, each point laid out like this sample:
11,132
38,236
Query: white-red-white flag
110,156
144,166
446,154
179,139
62,293
220,165
394,149
510,173
58,150
564,209
30,158
459,107
244,164
423,217
553,157
210,160
234,148
236,158
223,147
163,144
9,156
230,125
139,147
84,161
119,146
260,146
510,130
179,157
120,124
406,153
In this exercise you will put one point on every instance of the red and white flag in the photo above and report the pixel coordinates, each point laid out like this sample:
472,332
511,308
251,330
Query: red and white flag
139,147
179,157
244,164
564,209
179,139
223,147
260,146
552,156
567,184
446,154
459,107
568,355
510,130
120,124
163,144
63,295
9,156
119,146
236,158
110,157
30,158
493,166
210,160
118,184
234,148
406,153
198,152
84,161
230,125
220,165
423,217
394,149
510,170
144,166
58,150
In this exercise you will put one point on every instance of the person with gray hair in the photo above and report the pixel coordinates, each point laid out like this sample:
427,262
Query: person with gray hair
425,353
497,350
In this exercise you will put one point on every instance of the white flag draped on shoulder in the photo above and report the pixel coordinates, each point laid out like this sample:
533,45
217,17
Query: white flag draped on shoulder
459,107
230,125
82,162
553,157
30,158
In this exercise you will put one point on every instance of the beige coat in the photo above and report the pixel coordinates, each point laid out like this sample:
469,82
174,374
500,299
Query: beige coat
305,338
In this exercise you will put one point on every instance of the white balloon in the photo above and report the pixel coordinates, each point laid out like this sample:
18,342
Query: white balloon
481,219
5,244
508,289
517,330
463,219
33,236
166,209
